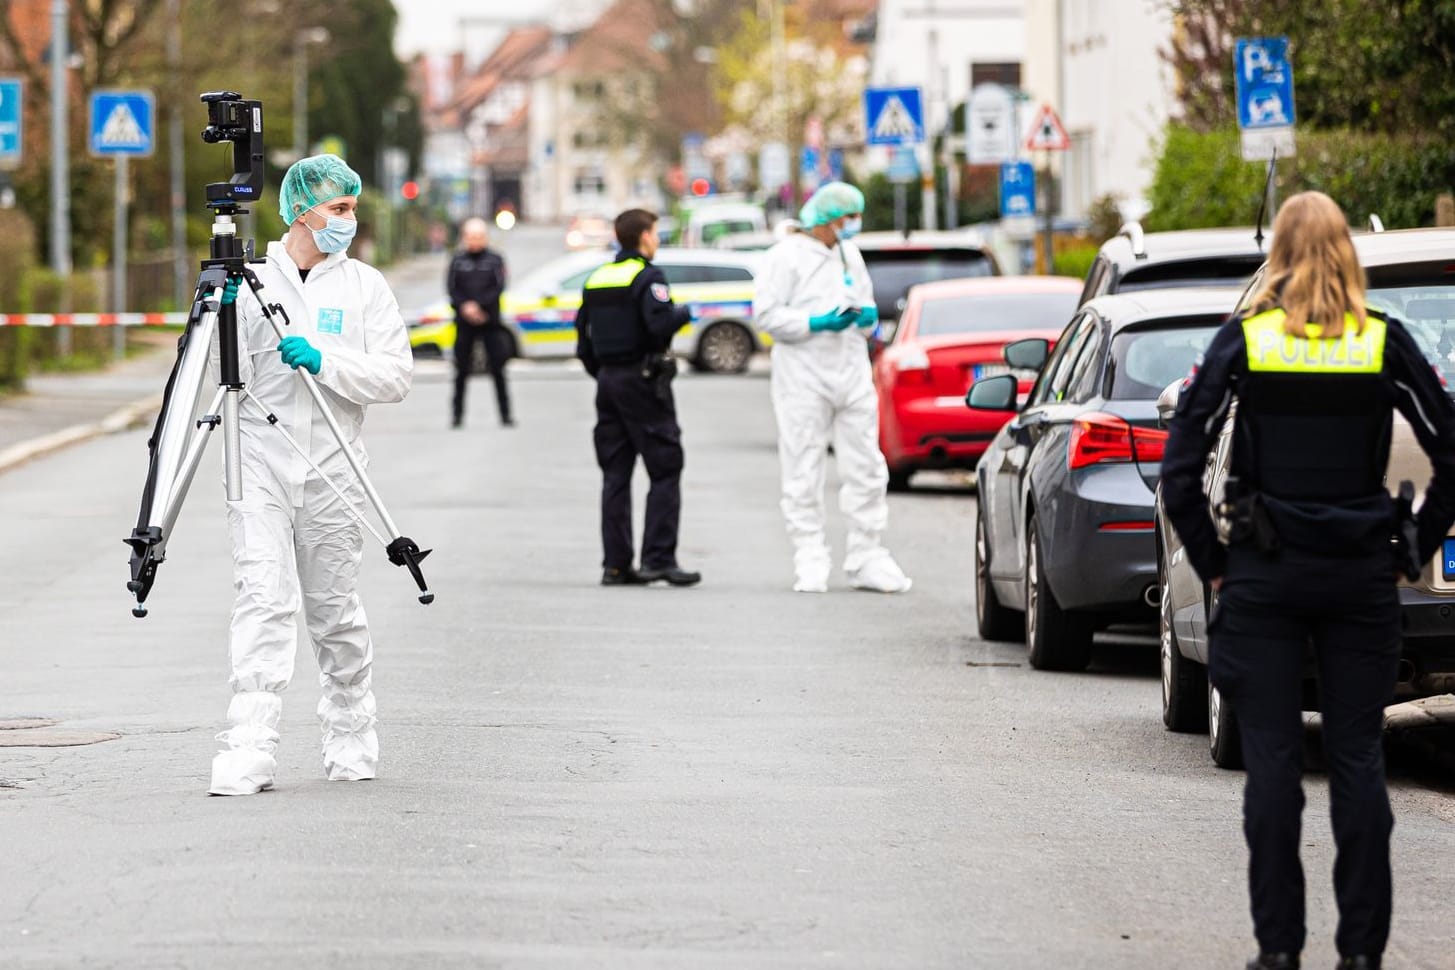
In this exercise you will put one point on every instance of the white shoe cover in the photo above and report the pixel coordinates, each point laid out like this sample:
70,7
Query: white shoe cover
246,765
881,575
242,771
811,571
350,743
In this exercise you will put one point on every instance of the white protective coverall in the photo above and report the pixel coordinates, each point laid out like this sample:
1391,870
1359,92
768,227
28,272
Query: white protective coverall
823,391
293,543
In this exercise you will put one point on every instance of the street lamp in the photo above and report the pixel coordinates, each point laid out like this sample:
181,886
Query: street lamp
301,40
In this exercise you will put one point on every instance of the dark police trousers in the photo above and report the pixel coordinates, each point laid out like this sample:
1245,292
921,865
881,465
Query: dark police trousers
632,420
1269,612
497,353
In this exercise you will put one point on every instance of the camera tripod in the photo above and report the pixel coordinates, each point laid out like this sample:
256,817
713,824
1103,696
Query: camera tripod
177,443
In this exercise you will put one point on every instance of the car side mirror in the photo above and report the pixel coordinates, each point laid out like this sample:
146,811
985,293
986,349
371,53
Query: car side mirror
996,393
1028,354
1167,402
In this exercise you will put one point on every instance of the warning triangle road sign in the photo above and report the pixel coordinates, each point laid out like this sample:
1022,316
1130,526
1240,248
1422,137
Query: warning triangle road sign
121,129
1047,132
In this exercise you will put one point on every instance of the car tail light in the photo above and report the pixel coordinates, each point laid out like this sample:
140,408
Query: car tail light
1101,438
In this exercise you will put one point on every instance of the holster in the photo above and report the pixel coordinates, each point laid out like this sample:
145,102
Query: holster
1247,517
660,369
1406,542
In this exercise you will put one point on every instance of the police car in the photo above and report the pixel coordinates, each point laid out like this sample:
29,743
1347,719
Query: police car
539,309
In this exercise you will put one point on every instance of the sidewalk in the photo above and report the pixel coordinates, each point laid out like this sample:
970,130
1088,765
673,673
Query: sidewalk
59,410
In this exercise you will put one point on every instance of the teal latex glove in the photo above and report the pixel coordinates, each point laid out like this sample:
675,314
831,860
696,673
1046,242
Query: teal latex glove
831,321
298,352
867,316
229,289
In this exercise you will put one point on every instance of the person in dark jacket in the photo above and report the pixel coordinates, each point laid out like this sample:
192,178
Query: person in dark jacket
623,331
475,281
1309,561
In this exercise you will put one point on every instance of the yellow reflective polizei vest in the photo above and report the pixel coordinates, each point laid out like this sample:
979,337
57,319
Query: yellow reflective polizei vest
1270,350
615,275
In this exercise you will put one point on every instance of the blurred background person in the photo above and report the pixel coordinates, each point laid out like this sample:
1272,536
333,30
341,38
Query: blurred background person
475,281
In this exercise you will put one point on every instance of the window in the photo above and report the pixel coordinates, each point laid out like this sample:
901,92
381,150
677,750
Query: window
1146,359
1098,280
1051,385
1085,375
894,271
1191,272
590,139
983,314
1008,74
588,90
573,283
590,183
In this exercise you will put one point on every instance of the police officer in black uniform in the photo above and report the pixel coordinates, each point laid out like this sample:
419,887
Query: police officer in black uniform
1309,562
623,331
475,281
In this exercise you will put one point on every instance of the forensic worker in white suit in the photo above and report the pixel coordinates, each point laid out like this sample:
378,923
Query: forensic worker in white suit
815,299
296,550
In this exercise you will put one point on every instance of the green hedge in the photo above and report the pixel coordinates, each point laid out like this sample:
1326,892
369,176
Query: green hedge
1201,179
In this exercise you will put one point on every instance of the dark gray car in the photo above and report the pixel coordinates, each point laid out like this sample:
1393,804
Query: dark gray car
1064,536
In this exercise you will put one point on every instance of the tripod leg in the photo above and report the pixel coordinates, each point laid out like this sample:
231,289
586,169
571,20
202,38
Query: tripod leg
348,506
188,471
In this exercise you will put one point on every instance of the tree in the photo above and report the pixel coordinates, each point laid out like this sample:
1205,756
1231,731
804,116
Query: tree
1379,67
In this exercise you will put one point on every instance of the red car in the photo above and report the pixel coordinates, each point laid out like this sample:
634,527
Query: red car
950,335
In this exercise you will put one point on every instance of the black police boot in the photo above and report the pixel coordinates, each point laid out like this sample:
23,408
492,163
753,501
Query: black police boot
622,577
1358,963
1274,961
675,575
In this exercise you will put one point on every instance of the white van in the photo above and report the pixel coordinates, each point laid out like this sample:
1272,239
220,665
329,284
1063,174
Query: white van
708,223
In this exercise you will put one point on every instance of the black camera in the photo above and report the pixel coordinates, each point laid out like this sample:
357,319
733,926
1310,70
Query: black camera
232,118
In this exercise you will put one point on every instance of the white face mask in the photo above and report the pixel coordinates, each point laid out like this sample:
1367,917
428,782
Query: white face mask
851,227
335,235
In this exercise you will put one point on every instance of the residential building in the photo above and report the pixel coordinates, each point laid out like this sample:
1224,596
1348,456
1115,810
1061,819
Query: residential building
1099,64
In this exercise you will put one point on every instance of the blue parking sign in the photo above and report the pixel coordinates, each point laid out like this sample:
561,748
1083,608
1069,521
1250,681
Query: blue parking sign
1263,78
11,112
1017,190
122,123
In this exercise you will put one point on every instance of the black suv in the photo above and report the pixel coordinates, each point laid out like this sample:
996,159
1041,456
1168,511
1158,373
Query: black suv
1136,260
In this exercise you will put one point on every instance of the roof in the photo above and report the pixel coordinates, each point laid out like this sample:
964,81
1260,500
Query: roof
515,58
1125,309
1404,246
1185,244
986,285
618,40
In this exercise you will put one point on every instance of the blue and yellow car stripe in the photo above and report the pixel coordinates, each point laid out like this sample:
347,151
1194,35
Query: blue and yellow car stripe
549,323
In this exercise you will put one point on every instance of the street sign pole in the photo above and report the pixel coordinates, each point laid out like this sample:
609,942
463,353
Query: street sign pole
60,167
118,249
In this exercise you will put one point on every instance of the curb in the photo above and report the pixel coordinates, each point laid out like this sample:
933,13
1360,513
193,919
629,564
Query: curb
121,419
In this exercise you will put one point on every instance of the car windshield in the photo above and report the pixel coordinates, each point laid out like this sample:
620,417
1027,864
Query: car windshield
713,231
998,311
1427,309
894,271
1146,359
1190,272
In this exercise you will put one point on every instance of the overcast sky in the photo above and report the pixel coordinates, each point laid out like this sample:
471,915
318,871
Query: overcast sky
433,26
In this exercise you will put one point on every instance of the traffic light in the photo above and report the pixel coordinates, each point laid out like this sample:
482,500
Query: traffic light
410,191
701,186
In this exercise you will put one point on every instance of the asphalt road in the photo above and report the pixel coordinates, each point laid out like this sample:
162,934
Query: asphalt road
733,776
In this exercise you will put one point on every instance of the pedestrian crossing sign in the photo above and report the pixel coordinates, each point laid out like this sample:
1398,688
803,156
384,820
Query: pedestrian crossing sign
122,123
895,116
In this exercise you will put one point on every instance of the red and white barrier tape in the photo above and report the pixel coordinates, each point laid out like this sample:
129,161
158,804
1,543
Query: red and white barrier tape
92,319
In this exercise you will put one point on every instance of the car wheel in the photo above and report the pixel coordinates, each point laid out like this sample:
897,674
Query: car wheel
725,348
1056,639
899,479
1184,682
994,621
1224,742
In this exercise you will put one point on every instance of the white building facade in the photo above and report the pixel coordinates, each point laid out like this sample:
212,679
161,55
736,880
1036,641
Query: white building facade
1099,63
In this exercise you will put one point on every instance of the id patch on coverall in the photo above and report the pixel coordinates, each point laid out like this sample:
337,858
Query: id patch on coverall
330,321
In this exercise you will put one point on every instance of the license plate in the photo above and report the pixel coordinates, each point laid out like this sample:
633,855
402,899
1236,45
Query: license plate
1447,560
982,371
